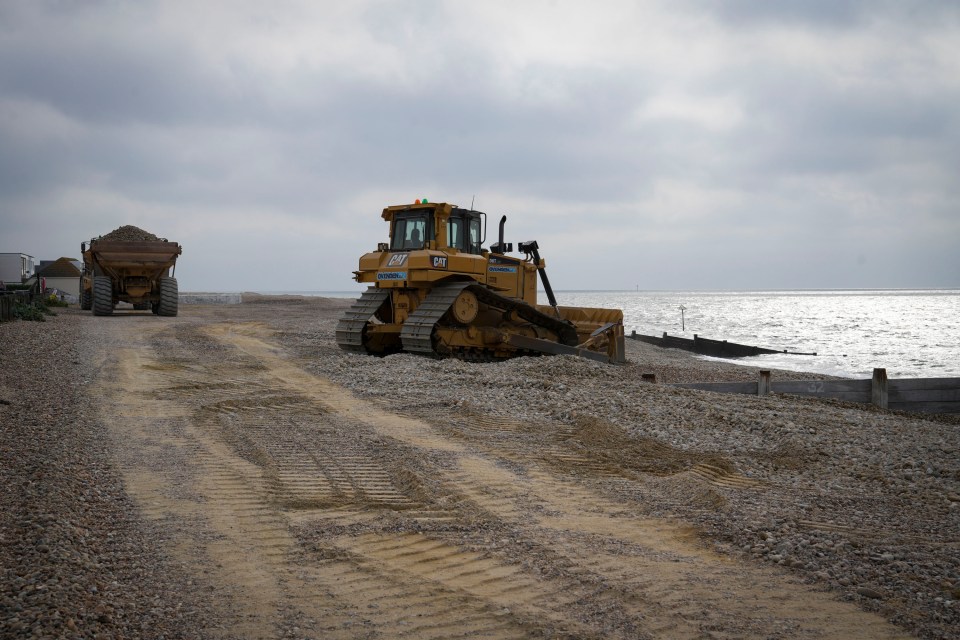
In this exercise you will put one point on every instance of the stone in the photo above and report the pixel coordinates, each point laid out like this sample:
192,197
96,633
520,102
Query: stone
869,592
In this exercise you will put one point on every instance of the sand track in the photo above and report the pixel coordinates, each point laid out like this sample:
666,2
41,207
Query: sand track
312,512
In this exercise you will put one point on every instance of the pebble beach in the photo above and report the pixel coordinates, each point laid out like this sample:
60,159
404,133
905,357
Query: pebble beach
856,502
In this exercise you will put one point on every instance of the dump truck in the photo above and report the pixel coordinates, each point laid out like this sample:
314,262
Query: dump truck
129,265
434,290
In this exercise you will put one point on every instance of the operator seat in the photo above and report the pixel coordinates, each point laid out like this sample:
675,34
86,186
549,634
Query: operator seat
414,242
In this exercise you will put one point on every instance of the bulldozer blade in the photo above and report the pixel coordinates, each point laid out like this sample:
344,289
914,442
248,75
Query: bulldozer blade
587,315
609,336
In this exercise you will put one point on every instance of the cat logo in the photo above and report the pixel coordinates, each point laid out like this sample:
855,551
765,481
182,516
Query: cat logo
439,262
397,260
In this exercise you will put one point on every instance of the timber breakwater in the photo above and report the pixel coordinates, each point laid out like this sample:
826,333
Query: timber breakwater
708,347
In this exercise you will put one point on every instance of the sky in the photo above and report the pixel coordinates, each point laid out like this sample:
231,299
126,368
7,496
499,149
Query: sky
674,145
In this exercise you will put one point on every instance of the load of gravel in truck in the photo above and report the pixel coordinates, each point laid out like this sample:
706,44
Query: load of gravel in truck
130,233
130,265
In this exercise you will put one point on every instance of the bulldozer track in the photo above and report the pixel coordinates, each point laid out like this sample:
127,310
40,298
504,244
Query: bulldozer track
350,329
306,507
418,332
566,331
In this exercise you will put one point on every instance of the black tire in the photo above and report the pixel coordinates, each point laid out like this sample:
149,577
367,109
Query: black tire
102,296
169,297
86,299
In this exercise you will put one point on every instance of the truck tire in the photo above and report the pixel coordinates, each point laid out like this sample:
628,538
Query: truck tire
169,297
102,296
86,299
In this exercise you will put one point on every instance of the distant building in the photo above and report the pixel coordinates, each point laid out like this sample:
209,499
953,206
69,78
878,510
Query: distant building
16,268
62,275
43,264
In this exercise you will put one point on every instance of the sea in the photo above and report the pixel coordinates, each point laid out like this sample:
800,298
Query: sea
912,333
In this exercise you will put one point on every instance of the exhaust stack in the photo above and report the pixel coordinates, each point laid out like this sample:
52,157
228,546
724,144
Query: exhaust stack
501,247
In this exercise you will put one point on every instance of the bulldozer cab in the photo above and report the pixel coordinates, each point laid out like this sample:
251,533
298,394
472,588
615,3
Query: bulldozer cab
418,228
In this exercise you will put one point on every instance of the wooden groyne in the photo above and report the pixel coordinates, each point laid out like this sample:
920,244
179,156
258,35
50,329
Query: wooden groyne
917,395
708,347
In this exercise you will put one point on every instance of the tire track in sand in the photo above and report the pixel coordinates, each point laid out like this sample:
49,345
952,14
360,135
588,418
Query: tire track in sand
648,577
227,458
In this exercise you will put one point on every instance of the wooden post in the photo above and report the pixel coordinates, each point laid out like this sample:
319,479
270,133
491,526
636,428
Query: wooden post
878,388
649,377
763,384
619,345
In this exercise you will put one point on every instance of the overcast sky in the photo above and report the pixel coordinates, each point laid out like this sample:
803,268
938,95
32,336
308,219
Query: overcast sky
683,144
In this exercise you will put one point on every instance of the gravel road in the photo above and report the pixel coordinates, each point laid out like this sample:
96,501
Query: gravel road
230,473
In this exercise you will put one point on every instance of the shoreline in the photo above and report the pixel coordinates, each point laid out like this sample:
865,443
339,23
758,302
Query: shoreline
910,356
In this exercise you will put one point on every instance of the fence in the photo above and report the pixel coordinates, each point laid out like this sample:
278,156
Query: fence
918,395
9,298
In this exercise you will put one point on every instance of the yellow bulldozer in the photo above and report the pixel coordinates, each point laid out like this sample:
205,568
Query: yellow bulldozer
436,291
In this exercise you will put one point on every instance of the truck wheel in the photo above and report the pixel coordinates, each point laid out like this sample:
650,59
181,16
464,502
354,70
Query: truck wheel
102,296
169,297
86,299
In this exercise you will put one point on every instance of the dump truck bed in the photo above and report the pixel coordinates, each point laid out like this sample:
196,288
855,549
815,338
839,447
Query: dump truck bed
117,254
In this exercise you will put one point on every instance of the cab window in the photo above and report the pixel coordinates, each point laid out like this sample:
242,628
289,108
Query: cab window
474,230
455,233
409,232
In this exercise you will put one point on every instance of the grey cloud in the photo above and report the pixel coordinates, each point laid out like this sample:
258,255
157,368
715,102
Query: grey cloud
108,86
831,14
159,126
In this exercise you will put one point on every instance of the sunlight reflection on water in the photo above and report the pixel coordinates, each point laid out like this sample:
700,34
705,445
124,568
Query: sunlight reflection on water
912,333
